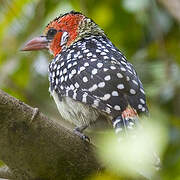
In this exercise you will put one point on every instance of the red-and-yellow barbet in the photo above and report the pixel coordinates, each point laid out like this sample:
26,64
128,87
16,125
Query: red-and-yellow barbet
89,77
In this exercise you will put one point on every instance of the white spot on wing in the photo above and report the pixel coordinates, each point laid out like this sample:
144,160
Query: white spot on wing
105,97
119,75
142,101
117,107
93,88
120,86
107,78
101,84
114,93
132,91
85,79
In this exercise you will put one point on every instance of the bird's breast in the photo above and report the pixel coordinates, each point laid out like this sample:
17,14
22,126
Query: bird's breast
75,112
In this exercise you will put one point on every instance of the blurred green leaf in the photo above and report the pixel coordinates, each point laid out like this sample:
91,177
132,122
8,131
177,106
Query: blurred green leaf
131,155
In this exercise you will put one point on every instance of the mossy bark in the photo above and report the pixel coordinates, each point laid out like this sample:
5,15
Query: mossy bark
41,149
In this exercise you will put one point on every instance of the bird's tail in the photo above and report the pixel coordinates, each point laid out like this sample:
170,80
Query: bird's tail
126,122
126,125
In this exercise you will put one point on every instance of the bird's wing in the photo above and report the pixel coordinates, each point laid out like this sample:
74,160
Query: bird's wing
100,77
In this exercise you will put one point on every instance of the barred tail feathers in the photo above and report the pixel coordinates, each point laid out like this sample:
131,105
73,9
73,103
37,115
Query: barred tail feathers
126,122
126,125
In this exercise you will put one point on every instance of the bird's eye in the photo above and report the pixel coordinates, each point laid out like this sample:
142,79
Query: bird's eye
51,33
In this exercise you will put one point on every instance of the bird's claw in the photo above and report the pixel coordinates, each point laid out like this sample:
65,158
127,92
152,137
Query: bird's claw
81,135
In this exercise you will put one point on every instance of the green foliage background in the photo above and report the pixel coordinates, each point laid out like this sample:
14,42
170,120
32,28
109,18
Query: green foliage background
142,29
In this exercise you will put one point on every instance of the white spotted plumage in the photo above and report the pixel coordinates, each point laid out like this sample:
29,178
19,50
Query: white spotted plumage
93,72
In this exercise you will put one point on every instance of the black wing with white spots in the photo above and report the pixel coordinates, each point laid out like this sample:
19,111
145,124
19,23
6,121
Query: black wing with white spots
95,72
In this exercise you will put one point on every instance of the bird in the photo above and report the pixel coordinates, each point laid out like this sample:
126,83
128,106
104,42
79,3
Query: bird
90,78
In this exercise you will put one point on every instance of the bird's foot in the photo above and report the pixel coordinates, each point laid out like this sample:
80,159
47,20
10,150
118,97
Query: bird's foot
79,131
35,112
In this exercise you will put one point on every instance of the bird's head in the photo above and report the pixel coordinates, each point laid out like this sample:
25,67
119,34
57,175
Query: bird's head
63,31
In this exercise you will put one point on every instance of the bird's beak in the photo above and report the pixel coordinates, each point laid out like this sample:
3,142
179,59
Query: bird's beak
36,43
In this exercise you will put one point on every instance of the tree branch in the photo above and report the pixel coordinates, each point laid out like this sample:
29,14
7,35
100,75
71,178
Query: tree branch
41,149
